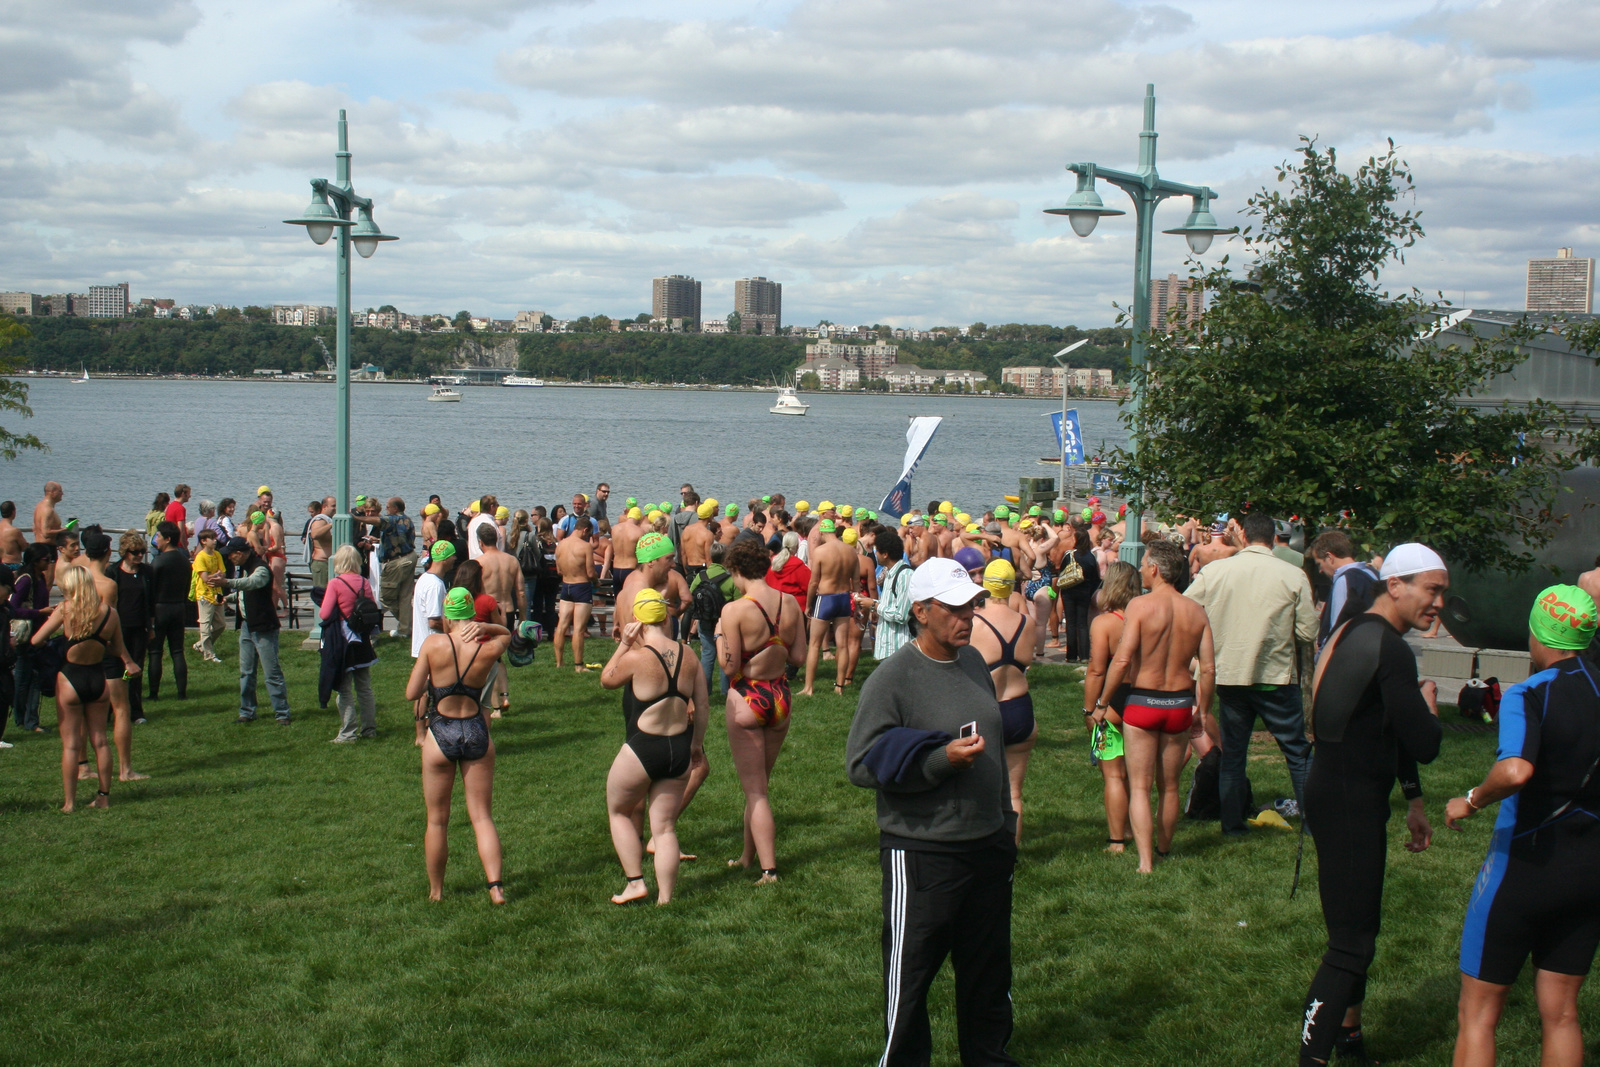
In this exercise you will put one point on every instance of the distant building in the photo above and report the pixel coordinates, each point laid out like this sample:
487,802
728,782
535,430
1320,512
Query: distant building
21,304
303,314
1047,381
528,322
759,304
677,296
834,372
1174,294
108,301
714,326
377,320
871,360
1561,285
908,378
969,378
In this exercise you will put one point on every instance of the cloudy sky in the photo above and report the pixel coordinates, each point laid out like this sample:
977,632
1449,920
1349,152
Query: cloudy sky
887,160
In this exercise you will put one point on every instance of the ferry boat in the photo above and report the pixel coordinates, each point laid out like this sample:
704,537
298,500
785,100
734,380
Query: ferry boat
518,382
444,395
789,404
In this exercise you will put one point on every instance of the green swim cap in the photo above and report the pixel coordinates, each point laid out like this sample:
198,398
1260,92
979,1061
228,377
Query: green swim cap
665,509
633,502
652,546
1002,512
1564,617
731,510
766,500
458,604
442,550
826,526
1036,511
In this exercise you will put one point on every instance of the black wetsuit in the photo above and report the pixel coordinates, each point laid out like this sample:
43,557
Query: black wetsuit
1372,725
170,576
133,611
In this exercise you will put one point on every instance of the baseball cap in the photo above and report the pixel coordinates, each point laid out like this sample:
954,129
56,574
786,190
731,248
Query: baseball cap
442,550
1410,558
943,580
235,544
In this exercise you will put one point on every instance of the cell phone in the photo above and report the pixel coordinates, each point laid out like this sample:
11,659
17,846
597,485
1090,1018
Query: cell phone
970,729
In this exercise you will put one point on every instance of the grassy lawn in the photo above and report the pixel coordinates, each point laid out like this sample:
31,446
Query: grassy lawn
262,899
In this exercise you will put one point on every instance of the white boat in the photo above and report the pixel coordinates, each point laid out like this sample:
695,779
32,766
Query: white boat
80,381
789,404
444,395
519,382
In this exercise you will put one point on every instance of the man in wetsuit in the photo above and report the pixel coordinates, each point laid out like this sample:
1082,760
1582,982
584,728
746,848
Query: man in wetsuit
575,564
835,574
1538,893
1374,723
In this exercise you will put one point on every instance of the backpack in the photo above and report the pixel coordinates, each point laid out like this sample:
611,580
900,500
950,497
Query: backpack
530,557
1205,795
706,600
1071,572
365,616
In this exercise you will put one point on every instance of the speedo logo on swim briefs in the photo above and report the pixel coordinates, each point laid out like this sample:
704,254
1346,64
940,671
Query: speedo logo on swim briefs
1561,611
1311,1015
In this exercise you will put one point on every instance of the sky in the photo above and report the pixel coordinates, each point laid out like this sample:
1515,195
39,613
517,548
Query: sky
888,161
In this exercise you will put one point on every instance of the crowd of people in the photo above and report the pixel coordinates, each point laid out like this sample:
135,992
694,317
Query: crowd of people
1220,625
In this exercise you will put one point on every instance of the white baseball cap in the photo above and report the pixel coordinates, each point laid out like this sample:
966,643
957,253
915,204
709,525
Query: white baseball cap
1410,558
943,580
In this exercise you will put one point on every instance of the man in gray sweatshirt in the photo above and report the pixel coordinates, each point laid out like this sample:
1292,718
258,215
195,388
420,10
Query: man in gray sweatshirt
927,738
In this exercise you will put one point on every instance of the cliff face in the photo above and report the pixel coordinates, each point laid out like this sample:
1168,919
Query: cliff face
476,354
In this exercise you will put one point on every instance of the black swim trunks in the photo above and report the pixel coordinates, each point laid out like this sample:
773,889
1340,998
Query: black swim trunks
577,592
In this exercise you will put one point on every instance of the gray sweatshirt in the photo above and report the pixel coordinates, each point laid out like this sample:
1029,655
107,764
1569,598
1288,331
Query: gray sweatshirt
937,803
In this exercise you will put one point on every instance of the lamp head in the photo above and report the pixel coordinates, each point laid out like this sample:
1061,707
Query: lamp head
366,235
1201,226
1084,207
319,218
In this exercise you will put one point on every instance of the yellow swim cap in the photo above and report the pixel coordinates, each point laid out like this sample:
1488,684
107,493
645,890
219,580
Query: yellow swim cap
850,537
824,507
649,607
635,514
431,509
502,512
963,518
847,512
263,489
998,577
476,505
705,510
713,503
801,507
947,507
652,517
973,527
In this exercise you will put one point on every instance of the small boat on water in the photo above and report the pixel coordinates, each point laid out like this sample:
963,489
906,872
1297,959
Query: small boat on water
518,382
789,404
444,395
80,381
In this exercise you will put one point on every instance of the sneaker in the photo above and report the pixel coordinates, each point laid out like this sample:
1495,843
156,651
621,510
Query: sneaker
1288,807
7,744
140,721
341,740
245,718
283,721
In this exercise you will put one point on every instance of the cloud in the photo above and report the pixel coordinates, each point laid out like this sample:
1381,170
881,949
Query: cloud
488,103
745,200
494,13
1529,29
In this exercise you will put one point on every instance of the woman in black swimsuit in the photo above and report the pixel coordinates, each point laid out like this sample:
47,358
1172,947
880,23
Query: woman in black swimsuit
664,720
93,634
1006,639
453,670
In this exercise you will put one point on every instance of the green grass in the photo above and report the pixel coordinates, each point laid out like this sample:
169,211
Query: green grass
262,899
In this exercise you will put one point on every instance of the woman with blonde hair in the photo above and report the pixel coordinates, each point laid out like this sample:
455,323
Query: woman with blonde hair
1120,585
665,734
81,696
520,528
452,670
354,671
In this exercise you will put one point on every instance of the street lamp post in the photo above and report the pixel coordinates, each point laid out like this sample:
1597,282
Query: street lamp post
321,219
1146,189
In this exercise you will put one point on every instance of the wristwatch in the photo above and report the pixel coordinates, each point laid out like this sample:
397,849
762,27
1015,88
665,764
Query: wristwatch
1468,798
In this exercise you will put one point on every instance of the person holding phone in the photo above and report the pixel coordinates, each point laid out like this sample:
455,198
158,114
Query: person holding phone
946,826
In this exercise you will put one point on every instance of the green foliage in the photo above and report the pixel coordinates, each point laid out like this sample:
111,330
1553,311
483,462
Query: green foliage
212,346
14,393
660,357
1309,391
810,381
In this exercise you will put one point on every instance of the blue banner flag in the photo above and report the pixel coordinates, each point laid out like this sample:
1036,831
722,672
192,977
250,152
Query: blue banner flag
1072,446
918,436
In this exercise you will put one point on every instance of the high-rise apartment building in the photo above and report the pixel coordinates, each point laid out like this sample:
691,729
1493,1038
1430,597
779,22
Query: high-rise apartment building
1174,293
21,304
108,301
759,303
676,296
1563,284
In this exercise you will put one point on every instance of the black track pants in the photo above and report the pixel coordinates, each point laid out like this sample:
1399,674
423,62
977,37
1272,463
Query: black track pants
956,904
136,642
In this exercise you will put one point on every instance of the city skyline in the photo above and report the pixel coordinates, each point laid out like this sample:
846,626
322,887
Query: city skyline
887,167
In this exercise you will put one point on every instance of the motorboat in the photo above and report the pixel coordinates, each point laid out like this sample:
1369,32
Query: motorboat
789,403
444,395
516,381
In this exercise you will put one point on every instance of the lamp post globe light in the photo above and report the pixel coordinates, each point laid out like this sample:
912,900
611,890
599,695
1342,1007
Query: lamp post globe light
332,204
1146,188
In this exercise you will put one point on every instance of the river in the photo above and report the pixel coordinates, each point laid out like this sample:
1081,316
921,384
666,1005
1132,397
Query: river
115,443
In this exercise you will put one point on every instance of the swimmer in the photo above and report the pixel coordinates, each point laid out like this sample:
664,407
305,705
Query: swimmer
834,577
1005,638
575,564
1119,587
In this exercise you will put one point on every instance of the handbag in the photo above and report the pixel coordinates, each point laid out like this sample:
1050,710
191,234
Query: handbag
21,631
1071,574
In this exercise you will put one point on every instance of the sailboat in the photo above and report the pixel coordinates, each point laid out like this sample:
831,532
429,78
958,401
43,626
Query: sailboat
85,378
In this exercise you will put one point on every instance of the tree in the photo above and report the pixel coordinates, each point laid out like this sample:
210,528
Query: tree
462,321
14,394
809,381
735,322
1306,389
600,323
